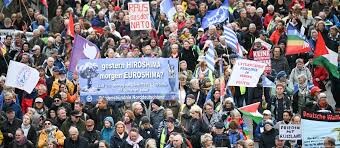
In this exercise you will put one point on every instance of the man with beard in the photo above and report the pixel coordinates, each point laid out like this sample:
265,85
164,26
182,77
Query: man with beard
62,79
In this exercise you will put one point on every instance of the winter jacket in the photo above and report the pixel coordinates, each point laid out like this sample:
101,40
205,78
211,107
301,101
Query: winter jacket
277,36
97,22
80,125
58,136
25,144
148,133
235,136
156,117
32,134
98,115
301,97
196,130
116,141
267,139
221,140
129,144
91,137
216,117
190,56
80,143
321,74
293,77
55,87
106,133
16,107
8,127
275,103
280,64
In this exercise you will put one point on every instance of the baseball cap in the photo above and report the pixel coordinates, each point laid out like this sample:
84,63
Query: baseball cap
200,30
267,112
39,100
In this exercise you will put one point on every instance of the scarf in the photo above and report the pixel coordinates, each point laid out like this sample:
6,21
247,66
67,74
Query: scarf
134,144
25,129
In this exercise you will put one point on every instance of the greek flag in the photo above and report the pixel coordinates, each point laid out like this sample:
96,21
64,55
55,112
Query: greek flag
167,7
7,2
232,41
218,15
210,57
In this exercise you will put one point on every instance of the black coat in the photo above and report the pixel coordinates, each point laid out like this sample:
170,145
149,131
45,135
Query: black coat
148,133
116,141
98,115
91,137
14,144
267,139
80,143
198,128
32,135
127,145
10,128
190,56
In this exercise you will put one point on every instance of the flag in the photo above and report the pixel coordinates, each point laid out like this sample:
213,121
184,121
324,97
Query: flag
222,82
296,43
70,27
218,15
232,41
21,76
7,2
252,112
167,7
210,57
266,82
44,2
82,49
326,57
3,49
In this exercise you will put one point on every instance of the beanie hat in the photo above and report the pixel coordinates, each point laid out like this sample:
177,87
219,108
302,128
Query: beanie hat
281,74
144,120
110,119
157,102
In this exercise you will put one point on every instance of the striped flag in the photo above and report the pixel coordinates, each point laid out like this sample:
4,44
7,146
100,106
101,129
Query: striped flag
7,3
296,42
232,41
210,57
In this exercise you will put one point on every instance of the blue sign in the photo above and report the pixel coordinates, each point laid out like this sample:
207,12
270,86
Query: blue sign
128,79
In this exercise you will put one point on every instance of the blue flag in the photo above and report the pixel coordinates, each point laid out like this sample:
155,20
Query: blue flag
7,2
218,15
266,82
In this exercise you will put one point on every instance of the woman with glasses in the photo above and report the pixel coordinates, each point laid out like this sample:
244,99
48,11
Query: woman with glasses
50,134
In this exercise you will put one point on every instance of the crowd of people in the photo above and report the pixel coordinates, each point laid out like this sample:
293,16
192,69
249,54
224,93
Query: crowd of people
205,114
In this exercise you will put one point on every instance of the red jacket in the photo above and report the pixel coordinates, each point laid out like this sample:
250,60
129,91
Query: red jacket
301,2
320,73
267,19
275,37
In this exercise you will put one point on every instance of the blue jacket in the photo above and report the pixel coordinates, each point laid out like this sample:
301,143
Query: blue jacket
97,22
107,133
16,108
235,136
35,25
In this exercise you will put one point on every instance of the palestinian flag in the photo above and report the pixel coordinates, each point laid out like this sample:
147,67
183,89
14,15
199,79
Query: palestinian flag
325,57
251,112
296,43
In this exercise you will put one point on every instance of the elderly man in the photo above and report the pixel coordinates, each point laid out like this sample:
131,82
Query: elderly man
74,140
74,121
20,140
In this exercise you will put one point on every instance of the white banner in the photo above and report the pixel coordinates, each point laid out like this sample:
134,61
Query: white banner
139,15
290,132
21,76
246,73
4,32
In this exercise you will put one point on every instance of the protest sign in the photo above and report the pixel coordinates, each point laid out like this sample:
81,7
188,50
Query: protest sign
139,15
290,132
246,73
263,56
128,79
316,126
12,32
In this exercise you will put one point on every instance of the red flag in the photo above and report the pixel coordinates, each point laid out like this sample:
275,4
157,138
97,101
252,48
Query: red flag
70,27
320,47
44,2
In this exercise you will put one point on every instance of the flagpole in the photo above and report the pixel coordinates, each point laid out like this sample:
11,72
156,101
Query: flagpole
27,10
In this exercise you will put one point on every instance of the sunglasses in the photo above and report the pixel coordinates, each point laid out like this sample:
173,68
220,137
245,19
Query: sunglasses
48,123
56,100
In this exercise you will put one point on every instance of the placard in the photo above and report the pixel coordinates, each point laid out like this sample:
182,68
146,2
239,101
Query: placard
128,79
290,132
139,15
263,56
246,73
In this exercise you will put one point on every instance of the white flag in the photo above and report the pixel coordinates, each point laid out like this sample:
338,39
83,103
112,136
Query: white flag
22,76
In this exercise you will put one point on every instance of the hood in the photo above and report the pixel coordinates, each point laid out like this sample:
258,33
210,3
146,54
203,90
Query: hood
110,119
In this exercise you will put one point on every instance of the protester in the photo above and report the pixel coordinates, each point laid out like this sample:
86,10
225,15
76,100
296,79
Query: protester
21,140
75,140
50,134
91,135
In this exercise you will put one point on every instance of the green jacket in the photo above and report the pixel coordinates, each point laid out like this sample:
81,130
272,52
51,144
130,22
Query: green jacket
68,123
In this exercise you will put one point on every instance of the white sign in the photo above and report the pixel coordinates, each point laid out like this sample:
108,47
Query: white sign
290,132
4,32
263,56
21,76
246,73
139,14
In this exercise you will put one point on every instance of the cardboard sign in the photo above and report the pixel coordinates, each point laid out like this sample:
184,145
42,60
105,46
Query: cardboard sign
290,132
263,56
246,73
139,14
